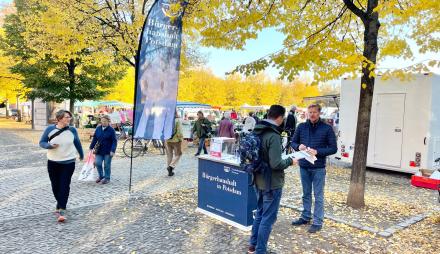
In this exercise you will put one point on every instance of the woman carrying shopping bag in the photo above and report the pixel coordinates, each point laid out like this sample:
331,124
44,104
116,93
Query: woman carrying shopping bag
62,144
104,146
87,173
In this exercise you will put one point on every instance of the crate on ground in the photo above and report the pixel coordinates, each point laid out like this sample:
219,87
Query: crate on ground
425,182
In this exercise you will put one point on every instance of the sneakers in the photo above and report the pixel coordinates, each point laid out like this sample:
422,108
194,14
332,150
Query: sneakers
314,228
197,154
98,180
105,181
300,222
61,215
170,171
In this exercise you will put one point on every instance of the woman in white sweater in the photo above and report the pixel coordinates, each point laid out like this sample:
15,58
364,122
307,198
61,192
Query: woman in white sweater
63,144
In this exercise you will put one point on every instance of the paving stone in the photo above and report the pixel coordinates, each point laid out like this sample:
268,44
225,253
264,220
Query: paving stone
384,234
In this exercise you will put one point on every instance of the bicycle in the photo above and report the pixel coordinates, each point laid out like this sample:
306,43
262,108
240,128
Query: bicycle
142,146
123,130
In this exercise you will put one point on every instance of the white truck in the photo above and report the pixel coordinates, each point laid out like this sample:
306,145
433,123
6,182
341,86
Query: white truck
404,126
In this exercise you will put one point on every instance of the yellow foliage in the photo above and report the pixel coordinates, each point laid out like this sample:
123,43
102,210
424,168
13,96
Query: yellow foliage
64,33
124,90
325,37
202,86
10,85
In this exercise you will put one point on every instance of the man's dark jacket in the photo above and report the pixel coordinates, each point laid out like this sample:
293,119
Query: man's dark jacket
318,136
271,153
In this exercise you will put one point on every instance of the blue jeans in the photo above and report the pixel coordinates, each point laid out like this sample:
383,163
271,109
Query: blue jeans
313,177
107,159
268,203
202,145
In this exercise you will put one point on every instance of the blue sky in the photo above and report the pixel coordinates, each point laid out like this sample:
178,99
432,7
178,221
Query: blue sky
268,41
221,61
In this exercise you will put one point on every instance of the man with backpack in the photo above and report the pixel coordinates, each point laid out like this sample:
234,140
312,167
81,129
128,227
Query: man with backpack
317,138
269,179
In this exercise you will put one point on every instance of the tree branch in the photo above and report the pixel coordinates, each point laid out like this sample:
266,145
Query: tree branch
304,6
353,8
360,4
9,77
341,13
249,4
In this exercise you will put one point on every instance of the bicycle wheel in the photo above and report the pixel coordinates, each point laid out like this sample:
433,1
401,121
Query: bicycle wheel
160,146
154,146
138,147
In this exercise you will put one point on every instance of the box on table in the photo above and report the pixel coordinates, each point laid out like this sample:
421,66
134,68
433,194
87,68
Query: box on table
222,147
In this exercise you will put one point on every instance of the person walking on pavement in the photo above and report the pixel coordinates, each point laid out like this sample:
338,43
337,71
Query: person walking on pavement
202,129
291,121
226,127
290,126
268,199
317,138
174,146
104,144
62,144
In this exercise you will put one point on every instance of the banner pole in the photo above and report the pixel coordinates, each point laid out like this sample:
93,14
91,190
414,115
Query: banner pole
135,94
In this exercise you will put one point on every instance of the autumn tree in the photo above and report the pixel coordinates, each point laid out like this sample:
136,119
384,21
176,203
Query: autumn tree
120,23
10,85
57,56
328,38
201,85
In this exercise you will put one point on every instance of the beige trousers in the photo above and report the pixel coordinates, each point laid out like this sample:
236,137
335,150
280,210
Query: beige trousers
174,152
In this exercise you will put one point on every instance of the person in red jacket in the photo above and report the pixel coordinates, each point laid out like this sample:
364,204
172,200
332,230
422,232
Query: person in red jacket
234,115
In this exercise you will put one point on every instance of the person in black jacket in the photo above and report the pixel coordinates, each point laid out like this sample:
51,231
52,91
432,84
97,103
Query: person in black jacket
291,121
317,138
290,126
104,144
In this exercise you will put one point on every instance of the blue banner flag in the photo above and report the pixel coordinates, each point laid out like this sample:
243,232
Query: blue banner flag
157,70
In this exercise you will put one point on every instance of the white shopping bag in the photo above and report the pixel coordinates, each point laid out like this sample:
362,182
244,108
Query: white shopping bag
88,171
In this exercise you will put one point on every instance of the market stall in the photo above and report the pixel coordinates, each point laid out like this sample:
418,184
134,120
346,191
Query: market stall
188,115
224,190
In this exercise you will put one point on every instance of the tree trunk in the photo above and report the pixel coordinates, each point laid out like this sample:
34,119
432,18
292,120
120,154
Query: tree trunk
7,108
71,68
33,114
356,192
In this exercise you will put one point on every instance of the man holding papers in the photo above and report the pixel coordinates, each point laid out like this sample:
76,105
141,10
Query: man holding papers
314,138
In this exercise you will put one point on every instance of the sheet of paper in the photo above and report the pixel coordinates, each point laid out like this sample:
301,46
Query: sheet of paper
300,155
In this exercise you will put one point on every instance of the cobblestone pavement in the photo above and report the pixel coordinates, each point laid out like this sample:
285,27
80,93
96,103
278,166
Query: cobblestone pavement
159,217
17,152
167,223
26,190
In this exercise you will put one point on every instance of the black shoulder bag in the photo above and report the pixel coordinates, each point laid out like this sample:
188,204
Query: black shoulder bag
98,143
58,133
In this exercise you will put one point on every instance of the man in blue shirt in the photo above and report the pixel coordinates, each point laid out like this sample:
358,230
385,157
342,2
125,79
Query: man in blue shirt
317,138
